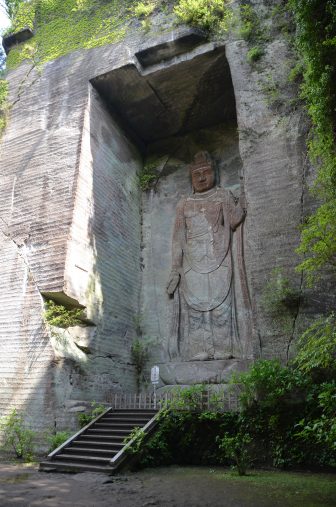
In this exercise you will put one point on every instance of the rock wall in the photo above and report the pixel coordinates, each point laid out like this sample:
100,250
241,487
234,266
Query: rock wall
75,227
70,218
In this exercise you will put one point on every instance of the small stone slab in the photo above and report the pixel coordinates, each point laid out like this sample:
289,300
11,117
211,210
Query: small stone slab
174,47
15,38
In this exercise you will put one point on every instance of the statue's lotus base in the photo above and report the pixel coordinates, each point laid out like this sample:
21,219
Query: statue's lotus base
198,372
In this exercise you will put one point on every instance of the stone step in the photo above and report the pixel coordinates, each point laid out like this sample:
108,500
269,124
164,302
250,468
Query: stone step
88,451
106,438
115,425
131,411
94,460
93,449
68,466
105,431
114,419
93,444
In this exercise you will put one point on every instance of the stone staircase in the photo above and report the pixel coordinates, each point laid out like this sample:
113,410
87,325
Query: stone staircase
99,447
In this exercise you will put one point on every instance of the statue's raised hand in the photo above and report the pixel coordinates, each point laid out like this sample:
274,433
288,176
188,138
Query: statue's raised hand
174,280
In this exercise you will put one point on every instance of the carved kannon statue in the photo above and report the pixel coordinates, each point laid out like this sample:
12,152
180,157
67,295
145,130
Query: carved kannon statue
201,281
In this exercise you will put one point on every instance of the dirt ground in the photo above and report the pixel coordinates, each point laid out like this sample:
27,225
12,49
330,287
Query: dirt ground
25,486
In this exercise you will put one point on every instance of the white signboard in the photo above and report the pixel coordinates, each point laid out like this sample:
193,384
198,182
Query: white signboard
155,375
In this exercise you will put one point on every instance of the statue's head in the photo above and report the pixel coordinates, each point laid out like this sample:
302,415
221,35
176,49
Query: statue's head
202,172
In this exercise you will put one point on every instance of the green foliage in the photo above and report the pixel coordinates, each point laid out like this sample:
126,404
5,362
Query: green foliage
143,9
278,293
315,41
16,436
24,16
290,411
295,74
317,347
322,429
136,439
11,7
57,439
3,104
63,26
209,15
237,448
318,235
187,437
148,176
249,23
266,383
254,54
140,355
86,418
190,398
59,316
282,18
287,416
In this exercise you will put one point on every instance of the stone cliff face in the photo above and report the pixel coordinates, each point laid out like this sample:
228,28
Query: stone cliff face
76,227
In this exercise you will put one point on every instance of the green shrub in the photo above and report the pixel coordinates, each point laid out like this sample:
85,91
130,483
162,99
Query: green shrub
205,14
3,104
317,347
321,429
254,54
295,74
237,448
266,383
139,356
86,418
57,439
143,9
186,437
16,436
289,411
148,176
249,23
137,437
60,316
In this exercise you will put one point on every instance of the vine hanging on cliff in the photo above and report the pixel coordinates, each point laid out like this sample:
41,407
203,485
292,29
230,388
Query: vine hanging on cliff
316,44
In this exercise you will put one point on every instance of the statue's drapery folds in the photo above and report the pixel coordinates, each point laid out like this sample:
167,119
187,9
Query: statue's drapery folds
204,324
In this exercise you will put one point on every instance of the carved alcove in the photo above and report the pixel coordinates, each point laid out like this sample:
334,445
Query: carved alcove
175,100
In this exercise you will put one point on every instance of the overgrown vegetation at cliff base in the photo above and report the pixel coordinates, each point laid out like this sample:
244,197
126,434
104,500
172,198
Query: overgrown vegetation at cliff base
16,437
287,417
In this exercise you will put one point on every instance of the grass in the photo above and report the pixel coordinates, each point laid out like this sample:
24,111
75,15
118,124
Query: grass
259,488
294,488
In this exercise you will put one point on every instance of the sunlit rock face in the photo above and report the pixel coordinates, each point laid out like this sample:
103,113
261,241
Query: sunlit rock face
77,228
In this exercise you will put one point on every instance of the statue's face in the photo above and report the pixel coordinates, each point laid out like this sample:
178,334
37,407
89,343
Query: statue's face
203,178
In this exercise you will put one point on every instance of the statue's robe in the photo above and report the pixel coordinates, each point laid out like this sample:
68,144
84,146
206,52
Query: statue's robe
204,324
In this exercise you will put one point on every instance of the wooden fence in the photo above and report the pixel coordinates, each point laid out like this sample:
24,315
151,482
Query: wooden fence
178,399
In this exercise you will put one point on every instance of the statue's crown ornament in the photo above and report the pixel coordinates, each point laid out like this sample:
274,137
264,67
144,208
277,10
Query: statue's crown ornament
201,159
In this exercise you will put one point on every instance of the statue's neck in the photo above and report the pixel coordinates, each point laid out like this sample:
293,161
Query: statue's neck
204,195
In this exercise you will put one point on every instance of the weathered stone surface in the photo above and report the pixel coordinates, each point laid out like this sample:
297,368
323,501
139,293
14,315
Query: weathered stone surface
180,42
182,95
204,321
197,372
74,224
